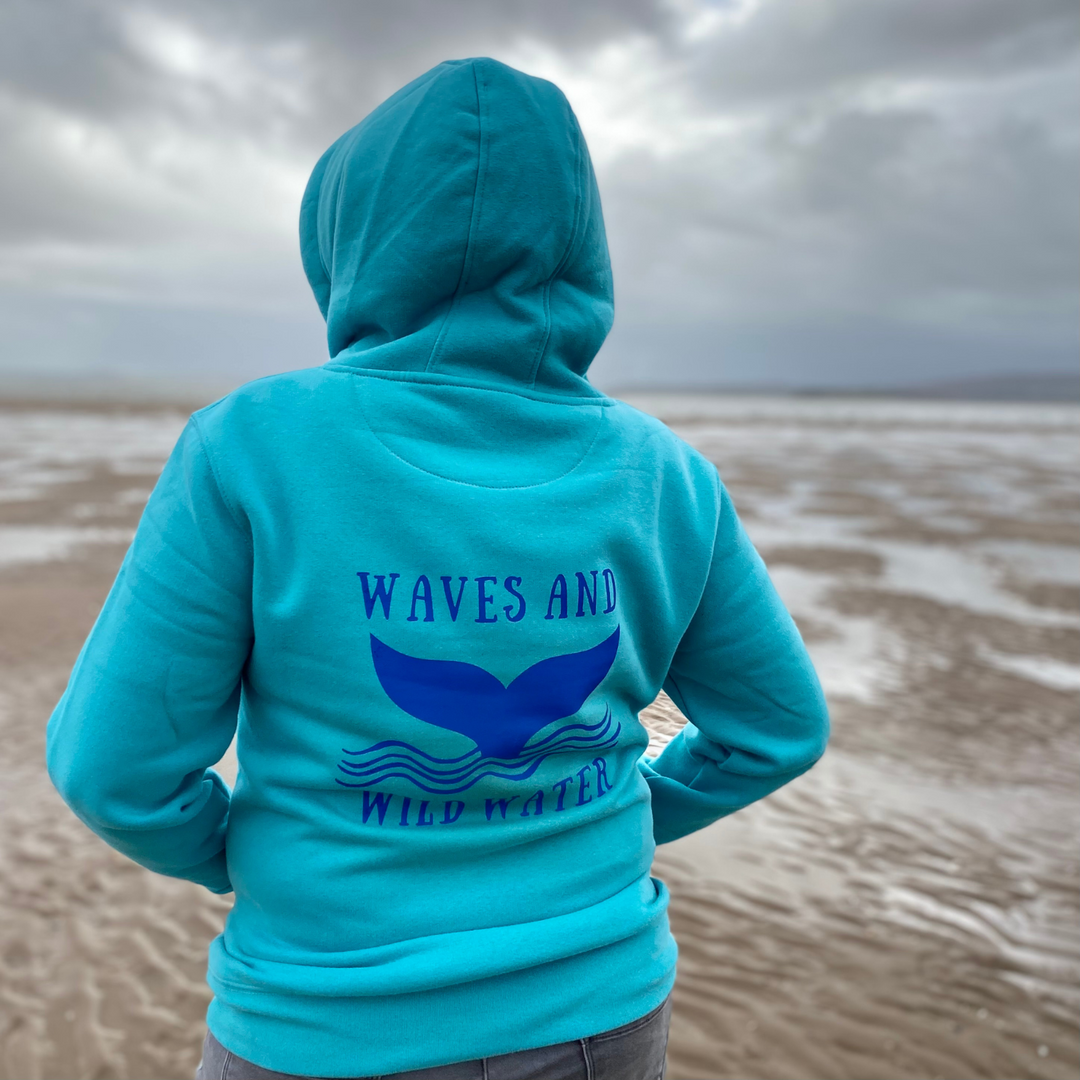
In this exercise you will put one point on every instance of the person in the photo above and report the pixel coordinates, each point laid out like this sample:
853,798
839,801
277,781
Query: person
430,585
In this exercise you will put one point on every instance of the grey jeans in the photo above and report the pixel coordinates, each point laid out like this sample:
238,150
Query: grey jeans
635,1051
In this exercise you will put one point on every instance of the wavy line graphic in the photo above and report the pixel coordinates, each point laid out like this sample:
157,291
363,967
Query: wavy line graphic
448,776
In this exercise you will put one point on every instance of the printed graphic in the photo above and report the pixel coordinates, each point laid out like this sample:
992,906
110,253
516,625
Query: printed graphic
501,720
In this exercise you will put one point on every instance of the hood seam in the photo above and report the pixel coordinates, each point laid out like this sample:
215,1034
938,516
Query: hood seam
474,223
561,265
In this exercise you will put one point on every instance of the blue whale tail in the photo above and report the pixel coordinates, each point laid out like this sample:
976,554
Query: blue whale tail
471,701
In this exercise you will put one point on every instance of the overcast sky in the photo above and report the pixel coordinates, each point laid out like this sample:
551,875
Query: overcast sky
807,192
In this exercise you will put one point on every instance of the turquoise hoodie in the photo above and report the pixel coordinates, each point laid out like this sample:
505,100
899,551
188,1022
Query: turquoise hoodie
429,586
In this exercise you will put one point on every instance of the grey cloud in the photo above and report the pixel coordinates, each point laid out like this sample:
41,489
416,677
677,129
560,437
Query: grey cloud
821,45
857,350
993,209
878,211
66,52
211,347
76,53
896,177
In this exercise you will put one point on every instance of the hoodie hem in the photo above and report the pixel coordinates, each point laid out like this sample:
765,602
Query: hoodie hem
569,999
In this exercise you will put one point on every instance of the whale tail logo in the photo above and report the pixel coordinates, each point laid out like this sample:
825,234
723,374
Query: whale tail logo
471,701
500,720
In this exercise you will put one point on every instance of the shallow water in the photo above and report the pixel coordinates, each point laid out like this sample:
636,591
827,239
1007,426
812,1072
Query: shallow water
909,908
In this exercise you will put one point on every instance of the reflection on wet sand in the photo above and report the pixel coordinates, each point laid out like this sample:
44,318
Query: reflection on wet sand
907,909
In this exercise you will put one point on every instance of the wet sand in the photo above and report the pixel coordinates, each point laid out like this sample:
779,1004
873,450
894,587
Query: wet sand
910,908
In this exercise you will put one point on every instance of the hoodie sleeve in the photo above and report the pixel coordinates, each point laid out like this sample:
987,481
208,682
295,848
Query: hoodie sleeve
152,701
743,678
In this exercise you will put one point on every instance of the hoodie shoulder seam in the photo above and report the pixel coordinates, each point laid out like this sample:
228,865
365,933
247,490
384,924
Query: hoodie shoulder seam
217,479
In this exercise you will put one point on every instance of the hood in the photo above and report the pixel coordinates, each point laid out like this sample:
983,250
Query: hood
456,233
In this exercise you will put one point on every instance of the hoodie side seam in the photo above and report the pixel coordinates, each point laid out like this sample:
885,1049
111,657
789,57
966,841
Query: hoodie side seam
474,220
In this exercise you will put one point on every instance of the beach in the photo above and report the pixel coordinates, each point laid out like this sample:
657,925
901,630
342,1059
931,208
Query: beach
910,908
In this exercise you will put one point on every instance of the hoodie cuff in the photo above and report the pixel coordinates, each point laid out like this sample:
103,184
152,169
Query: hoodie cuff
213,873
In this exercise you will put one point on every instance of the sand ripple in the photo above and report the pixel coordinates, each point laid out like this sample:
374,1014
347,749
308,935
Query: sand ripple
908,909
